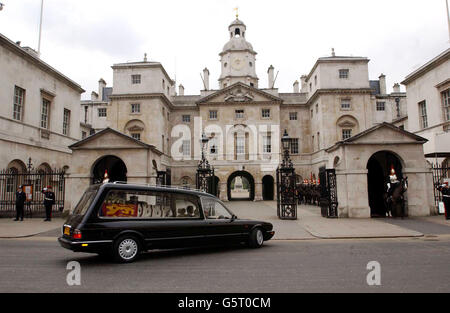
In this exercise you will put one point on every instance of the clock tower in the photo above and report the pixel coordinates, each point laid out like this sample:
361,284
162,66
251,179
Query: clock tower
238,58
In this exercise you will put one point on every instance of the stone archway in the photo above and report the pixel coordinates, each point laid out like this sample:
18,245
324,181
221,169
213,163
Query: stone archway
378,167
268,187
115,167
241,186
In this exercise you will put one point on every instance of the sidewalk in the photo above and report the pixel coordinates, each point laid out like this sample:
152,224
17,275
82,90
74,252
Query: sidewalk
27,228
311,224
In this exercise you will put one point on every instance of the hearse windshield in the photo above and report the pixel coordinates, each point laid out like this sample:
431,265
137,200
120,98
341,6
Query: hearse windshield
85,202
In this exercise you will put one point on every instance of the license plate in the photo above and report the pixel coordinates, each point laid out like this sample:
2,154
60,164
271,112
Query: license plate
66,230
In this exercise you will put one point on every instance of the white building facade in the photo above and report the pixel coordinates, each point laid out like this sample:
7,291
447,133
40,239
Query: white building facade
332,115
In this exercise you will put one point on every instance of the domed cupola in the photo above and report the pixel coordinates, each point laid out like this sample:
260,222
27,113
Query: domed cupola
238,58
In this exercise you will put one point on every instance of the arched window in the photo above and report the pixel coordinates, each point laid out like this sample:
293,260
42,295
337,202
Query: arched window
346,126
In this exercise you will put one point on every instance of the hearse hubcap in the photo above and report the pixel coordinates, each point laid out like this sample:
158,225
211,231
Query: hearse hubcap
128,249
259,237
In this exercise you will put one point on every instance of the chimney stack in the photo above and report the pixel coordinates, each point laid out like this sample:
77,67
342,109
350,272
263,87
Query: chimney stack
101,85
271,77
296,87
382,84
304,85
396,88
206,78
181,90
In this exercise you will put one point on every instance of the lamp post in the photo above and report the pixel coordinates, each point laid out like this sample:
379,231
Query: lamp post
286,144
286,183
205,172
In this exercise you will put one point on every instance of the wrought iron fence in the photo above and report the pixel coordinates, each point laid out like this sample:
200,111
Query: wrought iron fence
439,173
33,182
328,196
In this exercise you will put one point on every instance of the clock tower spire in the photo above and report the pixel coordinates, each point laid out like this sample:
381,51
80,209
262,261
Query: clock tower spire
238,58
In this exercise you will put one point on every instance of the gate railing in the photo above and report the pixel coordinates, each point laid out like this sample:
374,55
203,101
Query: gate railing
34,182
328,195
439,173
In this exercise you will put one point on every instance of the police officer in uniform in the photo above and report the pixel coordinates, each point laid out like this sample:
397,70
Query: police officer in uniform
445,190
49,200
20,202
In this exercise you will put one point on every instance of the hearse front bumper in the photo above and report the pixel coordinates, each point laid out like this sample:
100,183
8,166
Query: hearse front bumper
85,246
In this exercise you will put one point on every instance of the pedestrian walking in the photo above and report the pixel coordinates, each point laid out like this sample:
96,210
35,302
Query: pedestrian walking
49,201
20,203
445,190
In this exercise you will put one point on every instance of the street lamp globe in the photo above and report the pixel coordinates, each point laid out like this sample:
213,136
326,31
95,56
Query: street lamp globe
285,140
204,140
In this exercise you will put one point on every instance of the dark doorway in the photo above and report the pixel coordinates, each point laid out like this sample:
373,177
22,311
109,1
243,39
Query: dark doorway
378,167
241,186
114,166
267,187
217,186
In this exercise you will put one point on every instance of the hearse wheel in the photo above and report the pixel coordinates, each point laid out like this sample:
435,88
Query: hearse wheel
256,238
126,249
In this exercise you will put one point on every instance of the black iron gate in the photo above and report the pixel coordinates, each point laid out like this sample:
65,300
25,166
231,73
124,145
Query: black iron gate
439,174
328,193
205,178
286,198
33,182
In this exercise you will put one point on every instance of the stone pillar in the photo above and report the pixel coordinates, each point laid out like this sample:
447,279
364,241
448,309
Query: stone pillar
223,191
258,191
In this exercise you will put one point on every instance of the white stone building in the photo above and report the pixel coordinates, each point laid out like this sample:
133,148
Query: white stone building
428,106
39,118
336,117
39,110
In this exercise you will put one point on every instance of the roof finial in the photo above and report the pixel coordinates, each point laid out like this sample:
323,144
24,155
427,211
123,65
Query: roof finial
145,57
332,52
237,12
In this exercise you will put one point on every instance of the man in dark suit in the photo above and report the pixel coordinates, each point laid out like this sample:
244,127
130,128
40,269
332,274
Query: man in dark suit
49,200
20,203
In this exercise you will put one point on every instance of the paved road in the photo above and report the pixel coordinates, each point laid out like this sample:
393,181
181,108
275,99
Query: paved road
38,264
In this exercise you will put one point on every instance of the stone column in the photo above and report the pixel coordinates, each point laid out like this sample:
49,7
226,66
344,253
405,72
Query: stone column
223,191
258,191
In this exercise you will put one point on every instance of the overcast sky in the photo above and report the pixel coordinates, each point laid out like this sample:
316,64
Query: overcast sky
83,38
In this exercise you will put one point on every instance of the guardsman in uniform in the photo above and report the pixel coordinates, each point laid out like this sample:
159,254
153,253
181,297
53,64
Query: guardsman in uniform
393,183
20,202
445,190
49,200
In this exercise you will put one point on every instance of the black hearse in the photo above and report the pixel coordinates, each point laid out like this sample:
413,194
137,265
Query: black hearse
122,220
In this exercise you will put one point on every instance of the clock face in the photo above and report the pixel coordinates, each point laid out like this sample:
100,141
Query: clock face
237,63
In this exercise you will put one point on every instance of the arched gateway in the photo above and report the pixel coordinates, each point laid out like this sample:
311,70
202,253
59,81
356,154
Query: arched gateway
241,186
114,166
378,168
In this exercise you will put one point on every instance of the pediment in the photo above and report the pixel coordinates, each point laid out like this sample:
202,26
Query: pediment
239,93
108,139
384,134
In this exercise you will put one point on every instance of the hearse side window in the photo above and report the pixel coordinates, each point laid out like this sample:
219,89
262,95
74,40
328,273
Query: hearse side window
85,202
148,205
213,209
